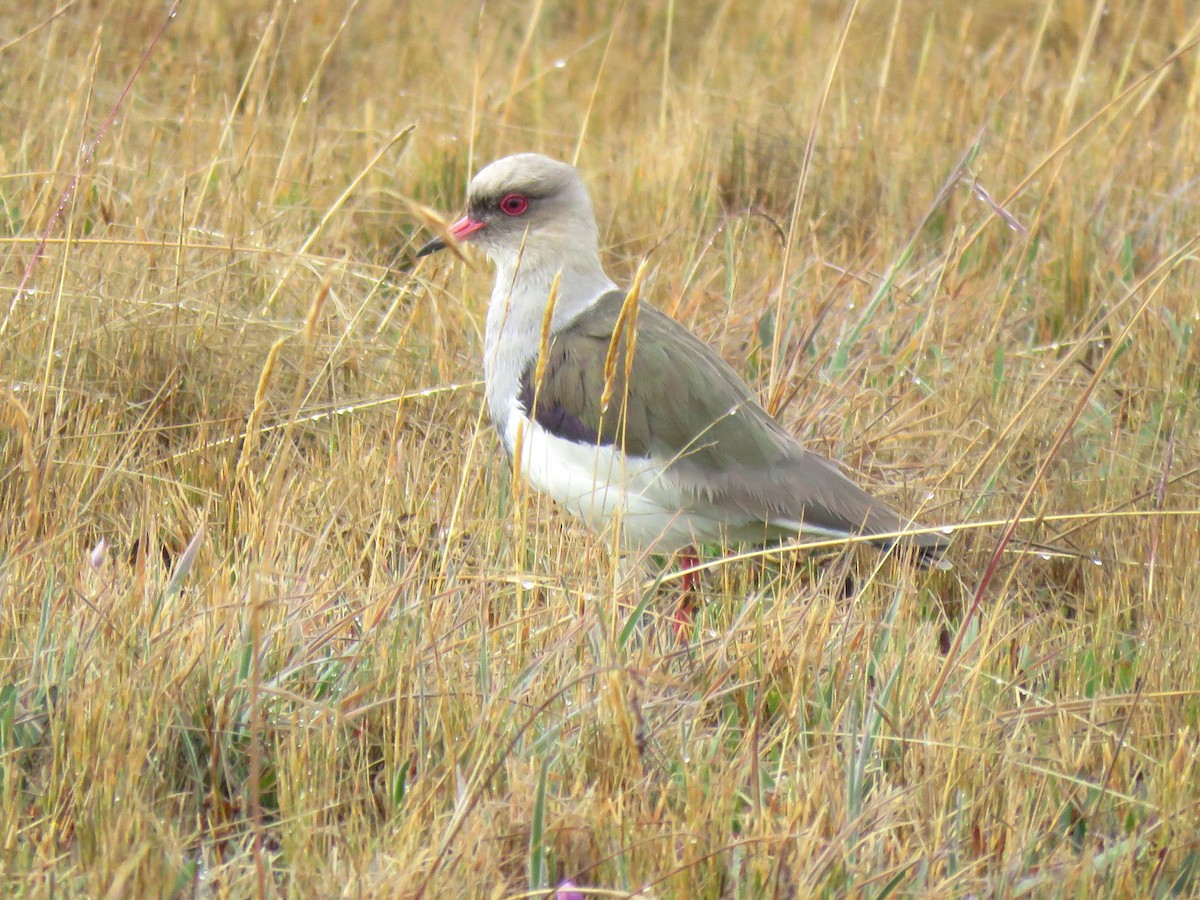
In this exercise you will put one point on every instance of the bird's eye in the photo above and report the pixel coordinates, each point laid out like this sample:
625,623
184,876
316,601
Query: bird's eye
514,204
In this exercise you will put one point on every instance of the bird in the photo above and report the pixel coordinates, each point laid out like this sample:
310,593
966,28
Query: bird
618,411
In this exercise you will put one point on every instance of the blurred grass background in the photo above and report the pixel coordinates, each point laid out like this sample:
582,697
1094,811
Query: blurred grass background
273,618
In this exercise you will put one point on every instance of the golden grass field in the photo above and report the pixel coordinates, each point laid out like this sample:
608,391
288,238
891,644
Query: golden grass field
275,621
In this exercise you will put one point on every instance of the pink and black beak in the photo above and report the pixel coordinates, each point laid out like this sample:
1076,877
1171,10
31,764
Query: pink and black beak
460,231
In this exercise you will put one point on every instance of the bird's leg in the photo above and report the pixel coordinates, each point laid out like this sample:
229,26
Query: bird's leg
688,585
688,560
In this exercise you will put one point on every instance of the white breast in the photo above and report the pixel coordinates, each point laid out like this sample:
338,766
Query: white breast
604,486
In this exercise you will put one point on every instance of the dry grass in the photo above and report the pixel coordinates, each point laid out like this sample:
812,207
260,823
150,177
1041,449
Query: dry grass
274,620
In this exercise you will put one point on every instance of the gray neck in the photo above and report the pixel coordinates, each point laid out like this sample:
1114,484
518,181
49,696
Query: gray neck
514,320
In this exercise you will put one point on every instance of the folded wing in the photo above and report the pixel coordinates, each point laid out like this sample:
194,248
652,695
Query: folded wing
691,413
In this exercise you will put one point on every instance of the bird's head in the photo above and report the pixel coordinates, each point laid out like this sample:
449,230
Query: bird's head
526,207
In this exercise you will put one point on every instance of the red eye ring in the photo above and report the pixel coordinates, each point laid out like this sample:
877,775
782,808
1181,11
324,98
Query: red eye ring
514,204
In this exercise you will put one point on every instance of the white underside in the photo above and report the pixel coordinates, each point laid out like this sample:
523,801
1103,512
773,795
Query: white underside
607,488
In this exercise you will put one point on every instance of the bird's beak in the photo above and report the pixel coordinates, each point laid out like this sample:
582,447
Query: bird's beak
460,231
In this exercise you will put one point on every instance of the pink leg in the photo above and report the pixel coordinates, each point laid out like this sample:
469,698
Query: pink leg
688,586
689,560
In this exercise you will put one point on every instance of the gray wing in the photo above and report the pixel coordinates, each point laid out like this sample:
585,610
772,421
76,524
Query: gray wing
691,412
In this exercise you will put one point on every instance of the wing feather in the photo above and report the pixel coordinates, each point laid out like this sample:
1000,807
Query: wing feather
693,415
